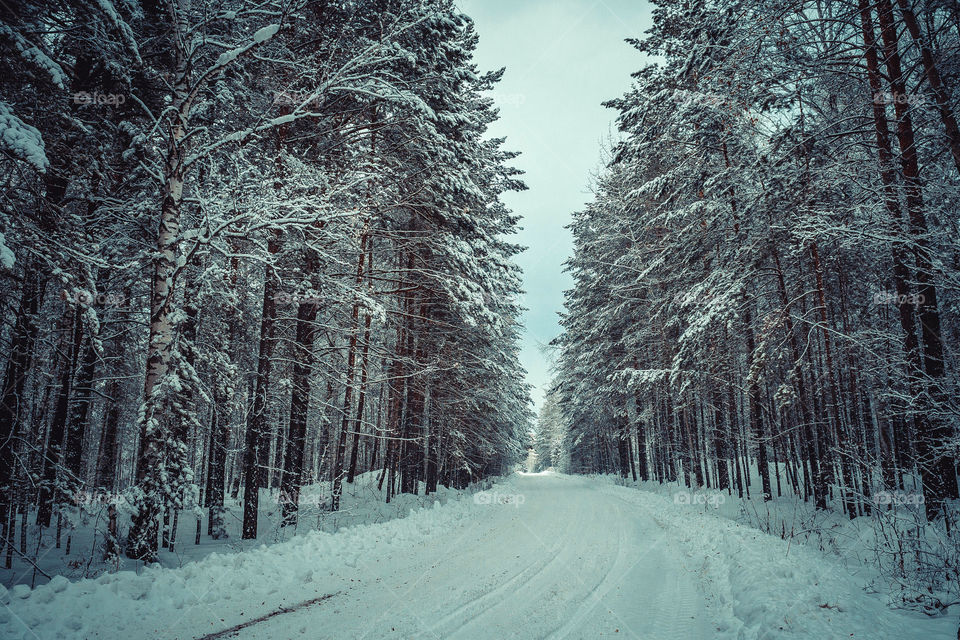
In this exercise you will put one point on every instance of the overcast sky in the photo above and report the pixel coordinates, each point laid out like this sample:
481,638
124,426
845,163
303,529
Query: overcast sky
563,58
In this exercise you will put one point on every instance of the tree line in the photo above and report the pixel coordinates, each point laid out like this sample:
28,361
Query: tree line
767,275
244,246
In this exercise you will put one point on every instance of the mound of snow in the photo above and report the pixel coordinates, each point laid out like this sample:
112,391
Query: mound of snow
219,590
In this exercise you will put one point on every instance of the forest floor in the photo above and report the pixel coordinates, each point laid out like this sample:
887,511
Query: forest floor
362,503
535,556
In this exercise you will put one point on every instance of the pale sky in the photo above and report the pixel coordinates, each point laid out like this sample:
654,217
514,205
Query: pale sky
563,58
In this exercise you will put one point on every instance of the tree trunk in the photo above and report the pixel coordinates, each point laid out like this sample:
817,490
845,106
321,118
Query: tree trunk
361,397
810,449
79,414
50,465
833,406
257,449
623,452
154,460
345,421
940,92
937,467
299,406
15,374
721,437
756,418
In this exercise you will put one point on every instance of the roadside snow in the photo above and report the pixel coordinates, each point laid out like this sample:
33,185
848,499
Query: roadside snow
362,502
533,556
772,589
222,589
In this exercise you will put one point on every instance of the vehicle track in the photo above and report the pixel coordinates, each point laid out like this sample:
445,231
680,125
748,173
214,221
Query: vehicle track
570,561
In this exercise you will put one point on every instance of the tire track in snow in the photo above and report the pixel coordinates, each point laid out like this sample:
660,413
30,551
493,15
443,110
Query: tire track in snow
502,593
679,603
590,566
498,595
232,631
596,595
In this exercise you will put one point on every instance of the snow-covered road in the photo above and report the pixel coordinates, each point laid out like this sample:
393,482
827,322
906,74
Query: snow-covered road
560,559
535,556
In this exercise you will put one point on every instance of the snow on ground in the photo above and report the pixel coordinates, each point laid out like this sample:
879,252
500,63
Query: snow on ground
217,591
361,503
535,556
770,588
881,547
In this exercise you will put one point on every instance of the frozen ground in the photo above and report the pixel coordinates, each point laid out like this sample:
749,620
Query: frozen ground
536,556
362,503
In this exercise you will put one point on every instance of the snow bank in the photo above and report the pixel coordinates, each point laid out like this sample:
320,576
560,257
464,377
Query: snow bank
362,502
916,573
220,590
772,589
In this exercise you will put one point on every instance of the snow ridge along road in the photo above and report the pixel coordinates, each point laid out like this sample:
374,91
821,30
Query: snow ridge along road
537,556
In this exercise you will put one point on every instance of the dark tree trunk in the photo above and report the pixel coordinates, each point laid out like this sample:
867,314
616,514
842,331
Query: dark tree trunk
833,402
220,417
345,420
937,467
941,93
50,464
623,453
299,405
810,449
361,398
216,472
642,467
756,418
79,414
107,461
721,437
257,450
12,407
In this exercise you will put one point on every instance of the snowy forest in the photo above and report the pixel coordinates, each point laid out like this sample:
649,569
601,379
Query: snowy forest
248,246
768,277
264,354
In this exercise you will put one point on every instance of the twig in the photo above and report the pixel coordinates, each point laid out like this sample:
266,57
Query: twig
15,550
